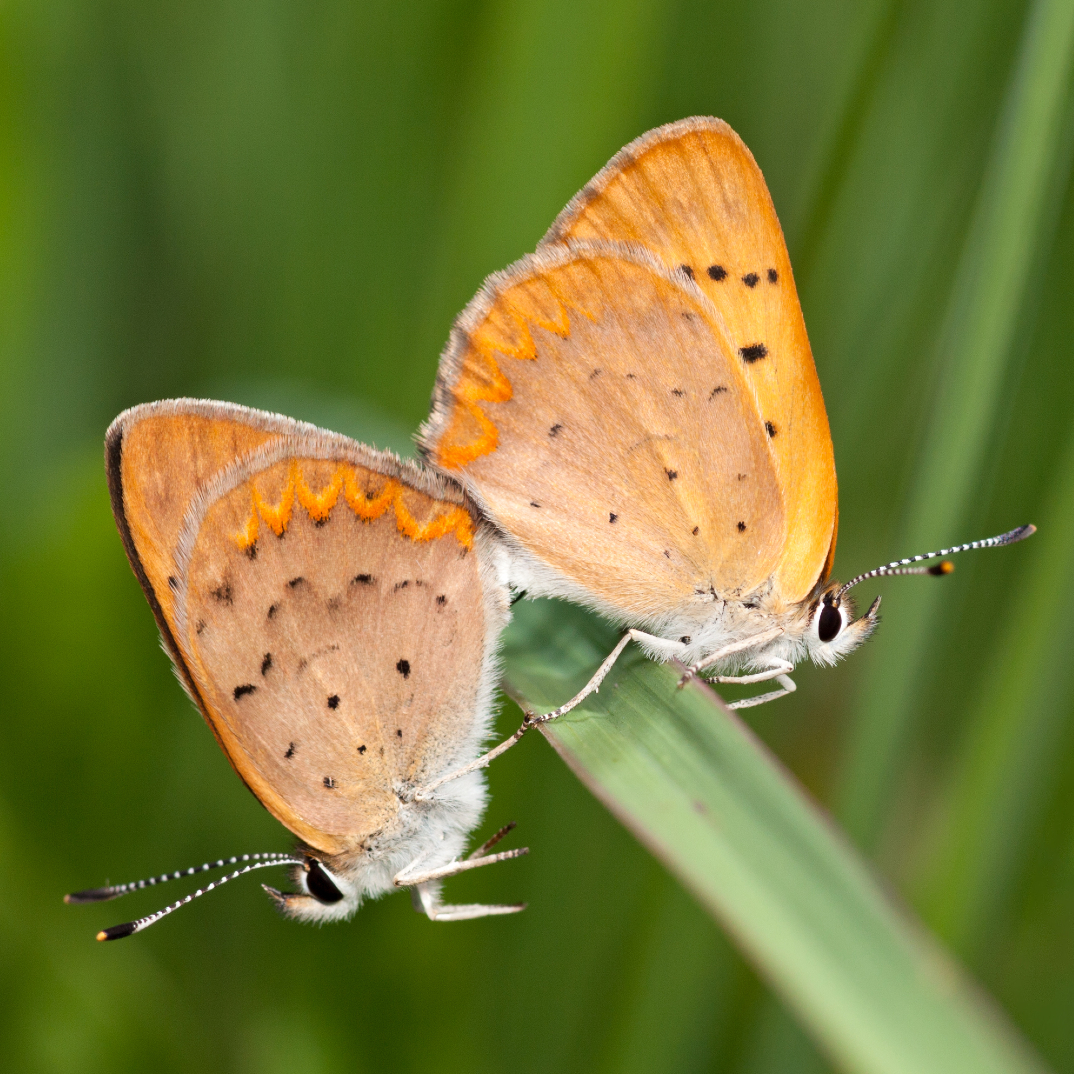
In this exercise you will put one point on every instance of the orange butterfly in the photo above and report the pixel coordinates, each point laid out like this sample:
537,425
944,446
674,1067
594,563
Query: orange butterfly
335,614
636,409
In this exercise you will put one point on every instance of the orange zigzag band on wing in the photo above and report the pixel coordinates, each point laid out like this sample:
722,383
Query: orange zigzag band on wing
366,505
506,329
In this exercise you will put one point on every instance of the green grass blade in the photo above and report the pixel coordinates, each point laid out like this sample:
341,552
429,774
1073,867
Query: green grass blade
700,791
974,349
1008,766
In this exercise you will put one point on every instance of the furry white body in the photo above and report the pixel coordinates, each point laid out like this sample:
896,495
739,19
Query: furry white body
712,624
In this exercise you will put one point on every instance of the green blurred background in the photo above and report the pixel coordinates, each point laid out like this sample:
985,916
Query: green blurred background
284,204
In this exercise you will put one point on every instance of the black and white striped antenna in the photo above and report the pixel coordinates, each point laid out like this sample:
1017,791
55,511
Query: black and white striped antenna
117,932
906,566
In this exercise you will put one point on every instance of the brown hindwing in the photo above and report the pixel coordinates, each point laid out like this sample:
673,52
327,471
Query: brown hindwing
589,400
330,608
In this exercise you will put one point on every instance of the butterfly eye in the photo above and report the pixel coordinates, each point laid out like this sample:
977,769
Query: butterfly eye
829,623
319,884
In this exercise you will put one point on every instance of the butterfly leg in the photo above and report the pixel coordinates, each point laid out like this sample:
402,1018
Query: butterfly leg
731,650
425,887
423,794
787,685
426,900
533,719
601,673
778,668
778,671
407,878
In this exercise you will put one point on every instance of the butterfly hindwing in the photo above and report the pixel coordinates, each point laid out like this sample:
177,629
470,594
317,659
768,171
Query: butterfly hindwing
332,609
590,402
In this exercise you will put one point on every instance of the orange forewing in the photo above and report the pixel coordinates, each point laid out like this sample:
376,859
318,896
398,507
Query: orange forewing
692,193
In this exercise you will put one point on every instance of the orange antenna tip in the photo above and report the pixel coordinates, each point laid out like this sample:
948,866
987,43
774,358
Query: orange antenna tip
946,567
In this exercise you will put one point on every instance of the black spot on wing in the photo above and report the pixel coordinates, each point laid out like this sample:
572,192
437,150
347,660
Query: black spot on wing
361,749
689,271
403,667
718,390
554,431
266,663
613,517
329,782
273,609
223,594
442,599
770,429
596,373
672,474
677,391
242,691
333,701
742,527
251,550
398,733
290,751
296,581
362,579
717,273
754,352
533,503
773,276
751,279
696,530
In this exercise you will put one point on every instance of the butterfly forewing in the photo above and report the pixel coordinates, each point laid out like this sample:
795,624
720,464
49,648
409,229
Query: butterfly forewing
591,403
692,193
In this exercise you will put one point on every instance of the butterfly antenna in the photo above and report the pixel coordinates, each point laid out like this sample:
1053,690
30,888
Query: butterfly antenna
129,928
114,891
906,566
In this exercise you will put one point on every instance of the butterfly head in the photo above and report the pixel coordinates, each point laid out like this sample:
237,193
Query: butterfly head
325,893
832,631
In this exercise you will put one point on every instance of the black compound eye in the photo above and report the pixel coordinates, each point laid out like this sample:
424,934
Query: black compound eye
830,623
319,884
